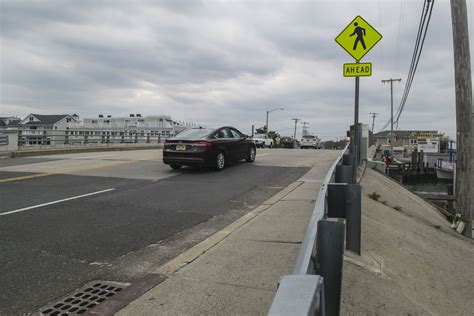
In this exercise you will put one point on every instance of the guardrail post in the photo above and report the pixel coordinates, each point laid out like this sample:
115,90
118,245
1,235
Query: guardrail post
344,171
337,200
330,252
347,159
354,220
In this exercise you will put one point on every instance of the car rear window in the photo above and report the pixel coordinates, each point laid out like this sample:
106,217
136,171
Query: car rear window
308,137
194,133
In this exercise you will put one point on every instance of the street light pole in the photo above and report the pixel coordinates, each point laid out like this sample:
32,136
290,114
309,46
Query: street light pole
266,125
294,136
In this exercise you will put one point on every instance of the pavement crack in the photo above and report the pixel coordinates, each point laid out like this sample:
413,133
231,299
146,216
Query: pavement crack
224,283
277,241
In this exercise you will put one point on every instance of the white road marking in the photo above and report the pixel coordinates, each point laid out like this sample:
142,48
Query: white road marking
54,202
259,155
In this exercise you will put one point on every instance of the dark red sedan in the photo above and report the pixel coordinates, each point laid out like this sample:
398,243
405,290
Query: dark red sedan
208,147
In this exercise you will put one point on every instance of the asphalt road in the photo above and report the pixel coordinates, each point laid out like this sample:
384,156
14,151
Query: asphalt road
66,220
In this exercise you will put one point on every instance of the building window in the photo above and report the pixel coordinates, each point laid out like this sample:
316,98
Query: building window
31,118
68,119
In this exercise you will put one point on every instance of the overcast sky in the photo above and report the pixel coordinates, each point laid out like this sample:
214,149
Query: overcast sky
222,62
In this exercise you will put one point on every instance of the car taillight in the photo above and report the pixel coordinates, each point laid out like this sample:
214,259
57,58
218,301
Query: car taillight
203,144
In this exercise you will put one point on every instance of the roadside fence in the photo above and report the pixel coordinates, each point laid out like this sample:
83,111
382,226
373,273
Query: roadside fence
81,137
314,285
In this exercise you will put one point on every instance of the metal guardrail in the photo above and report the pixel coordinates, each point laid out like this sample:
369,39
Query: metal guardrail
314,285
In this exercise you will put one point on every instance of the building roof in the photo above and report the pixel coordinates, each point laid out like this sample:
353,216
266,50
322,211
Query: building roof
14,123
48,119
402,134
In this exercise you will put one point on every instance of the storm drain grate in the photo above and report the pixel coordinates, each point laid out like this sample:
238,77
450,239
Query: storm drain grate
83,299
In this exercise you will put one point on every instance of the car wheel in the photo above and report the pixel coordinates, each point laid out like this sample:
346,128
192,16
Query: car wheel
220,161
251,154
175,167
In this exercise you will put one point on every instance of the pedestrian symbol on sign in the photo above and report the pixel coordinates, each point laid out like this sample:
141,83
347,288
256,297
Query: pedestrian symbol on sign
360,36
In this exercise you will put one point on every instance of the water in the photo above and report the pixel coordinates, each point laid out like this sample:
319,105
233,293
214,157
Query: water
432,187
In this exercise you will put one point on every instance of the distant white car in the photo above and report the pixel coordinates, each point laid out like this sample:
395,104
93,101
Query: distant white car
310,141
262,141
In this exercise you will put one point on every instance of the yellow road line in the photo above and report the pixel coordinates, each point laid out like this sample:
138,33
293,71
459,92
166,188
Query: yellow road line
65,171
25,177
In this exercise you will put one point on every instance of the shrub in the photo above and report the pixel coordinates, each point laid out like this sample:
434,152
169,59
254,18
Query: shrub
374,196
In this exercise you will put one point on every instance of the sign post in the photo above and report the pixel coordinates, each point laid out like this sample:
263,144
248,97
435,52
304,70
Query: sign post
357,39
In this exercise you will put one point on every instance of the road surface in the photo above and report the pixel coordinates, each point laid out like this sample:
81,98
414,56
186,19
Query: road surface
66,220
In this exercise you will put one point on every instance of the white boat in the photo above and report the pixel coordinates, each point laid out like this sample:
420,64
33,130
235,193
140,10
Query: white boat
445,169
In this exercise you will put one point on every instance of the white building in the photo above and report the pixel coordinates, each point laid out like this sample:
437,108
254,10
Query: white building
67,129
37,129
9,122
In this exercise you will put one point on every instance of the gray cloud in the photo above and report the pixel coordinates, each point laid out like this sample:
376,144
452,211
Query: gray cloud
219,62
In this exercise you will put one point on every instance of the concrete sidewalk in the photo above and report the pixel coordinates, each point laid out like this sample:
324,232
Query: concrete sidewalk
236,270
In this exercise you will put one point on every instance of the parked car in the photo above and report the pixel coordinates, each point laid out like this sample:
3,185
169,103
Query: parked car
310,141
262,141
208,147
288,142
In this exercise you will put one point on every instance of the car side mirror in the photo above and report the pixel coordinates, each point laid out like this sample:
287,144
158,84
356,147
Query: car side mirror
245,136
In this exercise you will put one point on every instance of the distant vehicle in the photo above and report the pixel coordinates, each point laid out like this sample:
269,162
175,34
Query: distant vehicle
261,141
288,142
310,141
208,147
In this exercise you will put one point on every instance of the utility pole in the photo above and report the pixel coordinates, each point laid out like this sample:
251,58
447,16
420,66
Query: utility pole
266,125
294,135
464,115
304,127
391,107
374,115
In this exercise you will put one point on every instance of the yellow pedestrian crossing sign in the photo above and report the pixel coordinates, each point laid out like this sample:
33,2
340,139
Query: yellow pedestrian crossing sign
358,38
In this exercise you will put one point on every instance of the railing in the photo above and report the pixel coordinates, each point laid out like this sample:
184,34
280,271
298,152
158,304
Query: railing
81,137
314,285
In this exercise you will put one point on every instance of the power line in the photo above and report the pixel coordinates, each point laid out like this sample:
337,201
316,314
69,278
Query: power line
420,39
400,23
416,55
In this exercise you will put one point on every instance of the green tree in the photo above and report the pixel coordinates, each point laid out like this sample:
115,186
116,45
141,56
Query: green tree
271,134
261,130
